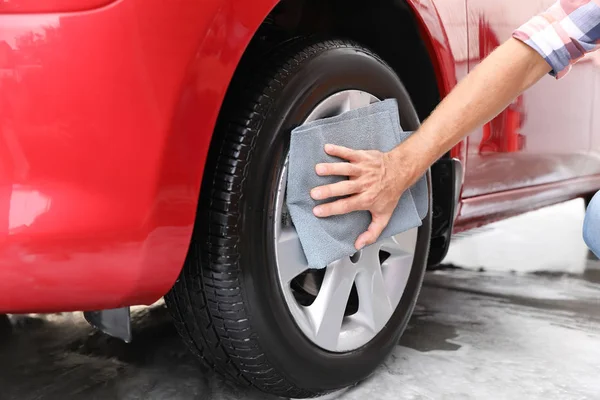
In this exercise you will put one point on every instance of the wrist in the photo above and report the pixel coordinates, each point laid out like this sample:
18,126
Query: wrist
409,161
400,171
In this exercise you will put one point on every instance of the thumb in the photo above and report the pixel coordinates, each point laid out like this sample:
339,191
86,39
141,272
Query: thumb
378,224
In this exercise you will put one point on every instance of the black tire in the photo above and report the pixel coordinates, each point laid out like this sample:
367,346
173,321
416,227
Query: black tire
227,303
5,324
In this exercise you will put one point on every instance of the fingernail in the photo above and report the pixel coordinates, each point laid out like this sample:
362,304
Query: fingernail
328,147
316,194
318,211
360,245
320,169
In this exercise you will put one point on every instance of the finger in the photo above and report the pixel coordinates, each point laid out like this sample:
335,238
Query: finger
343,188
341,169
341,152
338,207
375,229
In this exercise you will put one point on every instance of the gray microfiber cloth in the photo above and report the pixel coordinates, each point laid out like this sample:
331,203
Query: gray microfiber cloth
375,127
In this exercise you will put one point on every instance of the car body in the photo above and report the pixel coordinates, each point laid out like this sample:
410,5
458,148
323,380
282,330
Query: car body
105,107
107,111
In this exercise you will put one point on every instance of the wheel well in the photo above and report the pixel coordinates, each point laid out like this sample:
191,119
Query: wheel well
389,28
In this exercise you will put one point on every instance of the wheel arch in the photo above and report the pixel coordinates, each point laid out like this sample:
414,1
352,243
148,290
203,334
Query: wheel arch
235,31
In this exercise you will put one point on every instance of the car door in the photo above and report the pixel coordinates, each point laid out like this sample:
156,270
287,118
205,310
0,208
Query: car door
544,135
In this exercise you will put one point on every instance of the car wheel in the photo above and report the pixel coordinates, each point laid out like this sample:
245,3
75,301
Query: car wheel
246,301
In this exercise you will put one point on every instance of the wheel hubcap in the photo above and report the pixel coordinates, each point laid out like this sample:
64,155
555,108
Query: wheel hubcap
345,305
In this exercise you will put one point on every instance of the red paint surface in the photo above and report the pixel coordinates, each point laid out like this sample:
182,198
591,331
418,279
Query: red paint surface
105,122
40,6
544,136
437,42
442,24
482,210
502,133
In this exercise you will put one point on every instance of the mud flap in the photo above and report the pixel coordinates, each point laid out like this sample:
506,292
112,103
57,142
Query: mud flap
115,322
446,175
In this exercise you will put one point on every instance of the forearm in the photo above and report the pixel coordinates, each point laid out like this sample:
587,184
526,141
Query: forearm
484,93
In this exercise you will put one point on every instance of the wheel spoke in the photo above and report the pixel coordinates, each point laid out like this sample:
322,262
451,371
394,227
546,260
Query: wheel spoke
403,243
292,261
395,275
375,307
397,267
327,311
356,99
401,261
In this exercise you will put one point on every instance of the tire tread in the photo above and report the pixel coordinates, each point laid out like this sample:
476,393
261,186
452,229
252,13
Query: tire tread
207,302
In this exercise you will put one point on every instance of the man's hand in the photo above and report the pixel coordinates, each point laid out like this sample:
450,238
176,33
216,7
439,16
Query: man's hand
377,180
375,184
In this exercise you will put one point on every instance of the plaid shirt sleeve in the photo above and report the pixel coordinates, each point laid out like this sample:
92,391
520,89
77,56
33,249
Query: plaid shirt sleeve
564,33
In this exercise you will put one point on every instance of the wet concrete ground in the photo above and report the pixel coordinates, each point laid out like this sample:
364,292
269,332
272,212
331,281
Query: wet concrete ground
515,315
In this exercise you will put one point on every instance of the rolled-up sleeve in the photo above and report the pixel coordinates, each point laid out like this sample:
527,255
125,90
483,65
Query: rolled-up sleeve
564,33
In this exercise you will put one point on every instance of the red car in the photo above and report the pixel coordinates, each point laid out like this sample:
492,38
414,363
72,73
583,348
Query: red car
143,150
